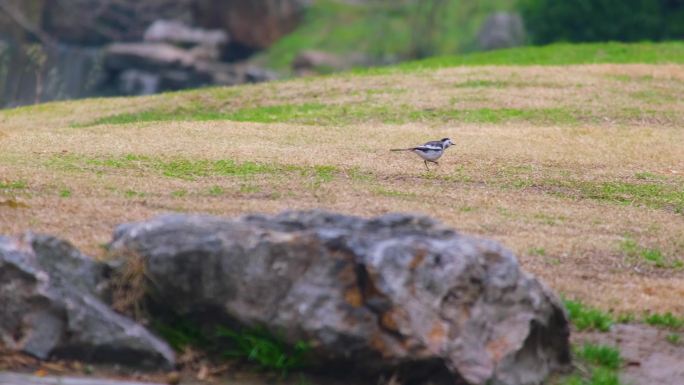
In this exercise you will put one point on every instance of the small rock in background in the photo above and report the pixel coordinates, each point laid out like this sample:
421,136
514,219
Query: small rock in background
177,32
501,30
312,62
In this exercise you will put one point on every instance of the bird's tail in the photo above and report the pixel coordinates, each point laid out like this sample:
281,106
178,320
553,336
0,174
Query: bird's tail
401,149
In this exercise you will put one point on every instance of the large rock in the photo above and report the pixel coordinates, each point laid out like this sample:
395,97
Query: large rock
395,292
51,306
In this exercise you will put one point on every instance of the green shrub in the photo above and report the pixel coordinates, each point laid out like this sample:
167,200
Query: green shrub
603,20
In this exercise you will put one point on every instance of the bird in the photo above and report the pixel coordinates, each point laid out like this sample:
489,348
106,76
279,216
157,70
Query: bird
430,151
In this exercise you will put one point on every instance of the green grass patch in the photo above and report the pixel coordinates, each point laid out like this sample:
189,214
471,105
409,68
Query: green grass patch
648,194
133,194
537,251
325,173
674,338
553,54
216,190
180,333
667,320
187,169
650,255
499,115
266,350
600,355
603,363
192,169
332,114
13,185
255,345
65,193
308,112
587,318
654,195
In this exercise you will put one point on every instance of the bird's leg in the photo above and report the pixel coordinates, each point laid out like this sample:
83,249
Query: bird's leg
426,166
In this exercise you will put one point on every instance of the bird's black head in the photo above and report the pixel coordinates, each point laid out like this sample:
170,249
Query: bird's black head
446,142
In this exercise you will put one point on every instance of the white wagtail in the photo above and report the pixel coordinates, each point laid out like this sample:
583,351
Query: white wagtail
430,151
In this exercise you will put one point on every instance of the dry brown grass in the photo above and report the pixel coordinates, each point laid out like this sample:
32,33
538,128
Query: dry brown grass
500,181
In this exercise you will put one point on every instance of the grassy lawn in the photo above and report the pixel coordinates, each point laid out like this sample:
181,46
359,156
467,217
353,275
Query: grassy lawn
577,168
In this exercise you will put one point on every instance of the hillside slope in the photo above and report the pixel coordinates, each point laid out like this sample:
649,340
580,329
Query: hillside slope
577,168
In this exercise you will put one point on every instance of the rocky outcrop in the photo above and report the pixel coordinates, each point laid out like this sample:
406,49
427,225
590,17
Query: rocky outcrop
175,32
211,38
99,22
254,24
52,305
501,30
175,56
397,292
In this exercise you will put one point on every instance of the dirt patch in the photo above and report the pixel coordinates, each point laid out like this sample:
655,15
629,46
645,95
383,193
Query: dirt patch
648,356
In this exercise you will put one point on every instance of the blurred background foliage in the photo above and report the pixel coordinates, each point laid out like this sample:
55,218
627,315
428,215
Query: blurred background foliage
603,20
388,30
60,49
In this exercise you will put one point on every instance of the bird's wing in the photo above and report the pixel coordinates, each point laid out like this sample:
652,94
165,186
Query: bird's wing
430,146
434,143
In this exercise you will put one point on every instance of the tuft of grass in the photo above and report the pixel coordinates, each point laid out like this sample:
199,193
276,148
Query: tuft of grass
651,255
654,256
601,355
133,194
674,339
216,190
179,193
603,376
540,251
325,173
252,344
180,333
260,346
667,320
65,193
13,185
586,318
